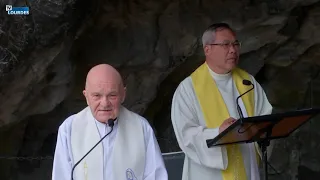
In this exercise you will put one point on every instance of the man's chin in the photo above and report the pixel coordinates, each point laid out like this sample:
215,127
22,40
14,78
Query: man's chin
105,116
231,66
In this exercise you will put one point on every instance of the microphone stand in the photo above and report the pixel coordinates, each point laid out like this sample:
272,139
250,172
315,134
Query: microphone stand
111,124
247,83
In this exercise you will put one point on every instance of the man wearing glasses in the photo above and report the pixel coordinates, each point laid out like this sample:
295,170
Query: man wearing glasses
204,104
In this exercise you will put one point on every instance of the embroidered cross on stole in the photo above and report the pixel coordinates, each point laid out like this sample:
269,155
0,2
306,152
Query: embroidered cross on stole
85,168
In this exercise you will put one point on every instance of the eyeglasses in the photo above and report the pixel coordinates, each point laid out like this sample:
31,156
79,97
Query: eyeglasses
227,45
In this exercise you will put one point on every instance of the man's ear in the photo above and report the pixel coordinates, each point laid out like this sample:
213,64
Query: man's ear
206,50
124,94
84,92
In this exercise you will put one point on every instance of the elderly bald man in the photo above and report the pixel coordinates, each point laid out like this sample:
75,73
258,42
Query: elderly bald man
130,151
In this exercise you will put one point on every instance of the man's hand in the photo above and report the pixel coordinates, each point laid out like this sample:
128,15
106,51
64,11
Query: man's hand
226,123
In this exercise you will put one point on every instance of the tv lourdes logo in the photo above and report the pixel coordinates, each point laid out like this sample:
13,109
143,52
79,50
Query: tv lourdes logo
8,7
17,10
130,175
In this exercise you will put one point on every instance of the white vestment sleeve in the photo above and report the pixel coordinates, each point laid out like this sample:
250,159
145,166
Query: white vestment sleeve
191,136
62,162
155,168
263,107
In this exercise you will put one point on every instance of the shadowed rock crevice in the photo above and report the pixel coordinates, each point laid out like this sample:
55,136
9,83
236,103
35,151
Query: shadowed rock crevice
295,20
158,111
307,174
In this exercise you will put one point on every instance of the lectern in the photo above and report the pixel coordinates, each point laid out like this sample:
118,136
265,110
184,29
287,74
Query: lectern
262,129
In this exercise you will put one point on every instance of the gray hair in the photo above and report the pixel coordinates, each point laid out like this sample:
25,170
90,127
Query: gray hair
208,36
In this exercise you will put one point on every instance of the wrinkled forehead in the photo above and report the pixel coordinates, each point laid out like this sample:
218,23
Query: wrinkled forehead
105,85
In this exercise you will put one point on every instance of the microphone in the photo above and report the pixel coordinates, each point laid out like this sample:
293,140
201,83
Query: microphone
247,83
111,124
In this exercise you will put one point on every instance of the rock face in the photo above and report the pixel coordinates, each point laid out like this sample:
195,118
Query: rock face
45,56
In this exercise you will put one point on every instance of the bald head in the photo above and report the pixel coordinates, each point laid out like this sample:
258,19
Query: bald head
103,73
104,92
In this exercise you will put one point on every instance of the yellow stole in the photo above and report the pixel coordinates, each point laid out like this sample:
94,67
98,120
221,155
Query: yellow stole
215,111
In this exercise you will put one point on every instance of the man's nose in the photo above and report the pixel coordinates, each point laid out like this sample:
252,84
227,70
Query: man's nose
232,48
105,101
